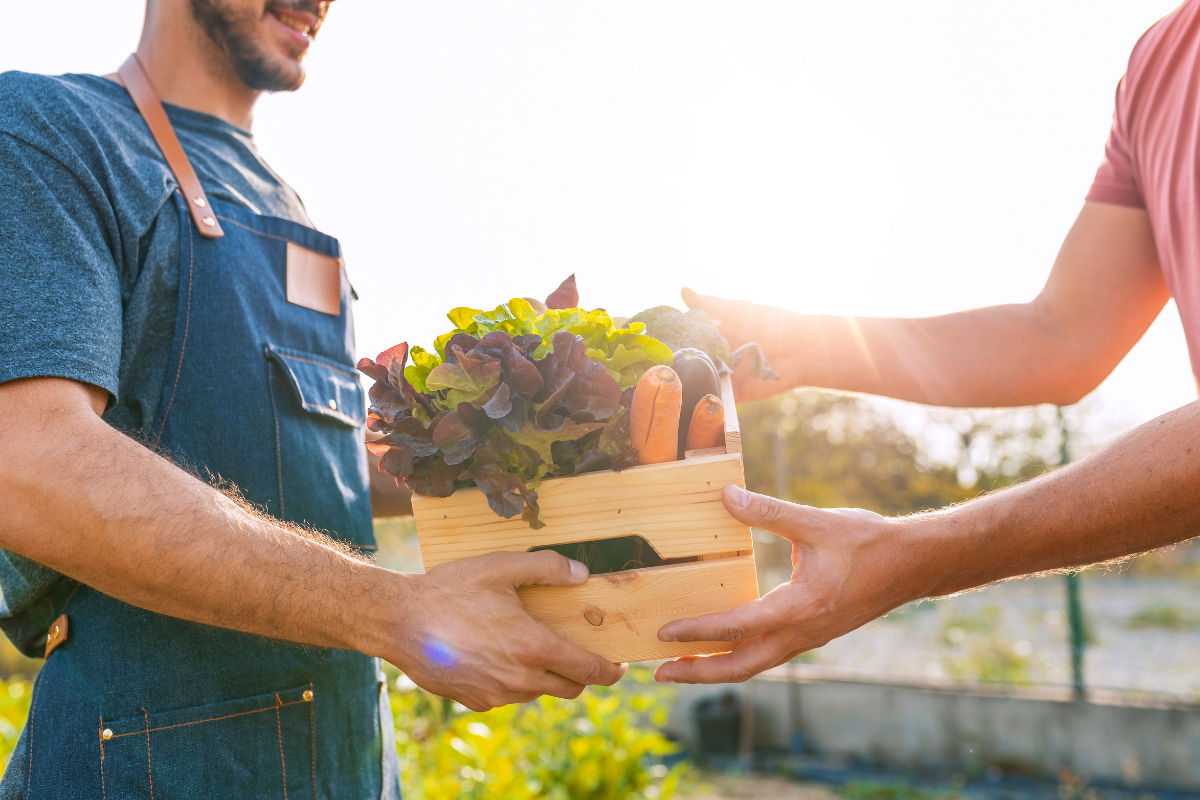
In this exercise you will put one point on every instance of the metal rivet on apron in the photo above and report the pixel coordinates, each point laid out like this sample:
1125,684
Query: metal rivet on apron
199,201
308,695
333,404
54,634
209,221
106,733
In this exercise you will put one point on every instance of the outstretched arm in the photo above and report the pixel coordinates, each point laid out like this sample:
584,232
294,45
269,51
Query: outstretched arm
84,499
1139,492
1105,289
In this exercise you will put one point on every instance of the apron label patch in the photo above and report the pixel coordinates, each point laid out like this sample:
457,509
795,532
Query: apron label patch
314,280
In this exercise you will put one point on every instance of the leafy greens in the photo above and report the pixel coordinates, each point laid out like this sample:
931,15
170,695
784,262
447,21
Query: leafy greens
509,397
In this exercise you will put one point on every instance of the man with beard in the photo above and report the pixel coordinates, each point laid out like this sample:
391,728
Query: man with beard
164,294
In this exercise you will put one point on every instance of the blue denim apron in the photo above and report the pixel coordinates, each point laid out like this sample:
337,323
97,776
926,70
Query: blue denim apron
263,394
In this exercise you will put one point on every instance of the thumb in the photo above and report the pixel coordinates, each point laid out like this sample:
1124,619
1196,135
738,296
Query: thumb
760,511
543,568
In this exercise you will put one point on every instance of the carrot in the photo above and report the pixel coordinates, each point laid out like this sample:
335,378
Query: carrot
708,423
654,415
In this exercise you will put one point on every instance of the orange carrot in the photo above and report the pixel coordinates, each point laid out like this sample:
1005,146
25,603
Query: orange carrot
654,415
708,423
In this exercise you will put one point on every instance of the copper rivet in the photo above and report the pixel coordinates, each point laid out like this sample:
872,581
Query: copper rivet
106,733
199,201
308,695
333,404
209,221
54,633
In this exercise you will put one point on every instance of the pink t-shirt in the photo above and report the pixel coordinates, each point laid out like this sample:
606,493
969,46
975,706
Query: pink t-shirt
1152,158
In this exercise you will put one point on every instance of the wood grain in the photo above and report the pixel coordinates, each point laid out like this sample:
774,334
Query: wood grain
733,431
618,615
676,507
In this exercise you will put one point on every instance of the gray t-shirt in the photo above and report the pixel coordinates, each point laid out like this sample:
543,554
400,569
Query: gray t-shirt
89,251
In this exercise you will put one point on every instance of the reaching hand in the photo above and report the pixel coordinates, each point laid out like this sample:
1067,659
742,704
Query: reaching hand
848,567
467,636
773,328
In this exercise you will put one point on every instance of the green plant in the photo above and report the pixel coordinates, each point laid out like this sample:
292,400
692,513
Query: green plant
14,708
892,790
1164,615
603,745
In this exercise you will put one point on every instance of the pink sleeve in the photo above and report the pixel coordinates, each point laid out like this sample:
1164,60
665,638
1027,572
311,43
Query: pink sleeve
1115,181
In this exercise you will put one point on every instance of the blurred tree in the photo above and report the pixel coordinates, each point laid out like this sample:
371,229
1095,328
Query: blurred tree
834,450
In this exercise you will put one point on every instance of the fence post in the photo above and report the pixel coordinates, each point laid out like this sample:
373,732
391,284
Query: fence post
1074,603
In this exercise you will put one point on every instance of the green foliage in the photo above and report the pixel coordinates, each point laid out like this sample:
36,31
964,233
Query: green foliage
985,654
839,452
15,695
602,746
1164,615
897,790
625,352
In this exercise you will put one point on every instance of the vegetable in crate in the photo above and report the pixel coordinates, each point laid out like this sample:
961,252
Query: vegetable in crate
508,398
695,329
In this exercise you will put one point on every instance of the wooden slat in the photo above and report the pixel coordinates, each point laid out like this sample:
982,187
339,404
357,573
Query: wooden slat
733,431
676,507
618,615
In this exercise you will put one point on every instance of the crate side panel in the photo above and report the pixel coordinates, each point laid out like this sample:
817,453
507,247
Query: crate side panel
676,507
618,616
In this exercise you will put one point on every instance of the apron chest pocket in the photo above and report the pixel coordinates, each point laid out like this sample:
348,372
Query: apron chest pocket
253,747
322,386
321,464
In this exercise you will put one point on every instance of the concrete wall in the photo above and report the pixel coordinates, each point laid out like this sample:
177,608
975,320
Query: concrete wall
1109,737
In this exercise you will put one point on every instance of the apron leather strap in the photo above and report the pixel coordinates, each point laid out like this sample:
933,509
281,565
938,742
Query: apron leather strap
151,108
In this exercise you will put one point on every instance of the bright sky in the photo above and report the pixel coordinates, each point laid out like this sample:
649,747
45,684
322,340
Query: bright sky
863,158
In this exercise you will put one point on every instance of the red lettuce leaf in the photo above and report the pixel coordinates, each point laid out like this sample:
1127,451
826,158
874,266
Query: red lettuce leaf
456,439
575,383
412,436
433,478
565,296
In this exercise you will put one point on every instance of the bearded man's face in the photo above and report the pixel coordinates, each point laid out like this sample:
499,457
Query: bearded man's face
264,40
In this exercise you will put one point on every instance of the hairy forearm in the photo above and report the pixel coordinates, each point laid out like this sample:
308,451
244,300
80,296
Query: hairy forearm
997,356
88,501
1140,492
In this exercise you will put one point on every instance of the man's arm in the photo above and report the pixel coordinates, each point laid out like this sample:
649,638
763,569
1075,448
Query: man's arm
1105,289
84,499
1139,492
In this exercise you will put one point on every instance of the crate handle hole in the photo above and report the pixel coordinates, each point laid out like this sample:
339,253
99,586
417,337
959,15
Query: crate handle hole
619,554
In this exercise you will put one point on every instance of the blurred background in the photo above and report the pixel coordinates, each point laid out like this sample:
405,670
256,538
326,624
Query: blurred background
872,158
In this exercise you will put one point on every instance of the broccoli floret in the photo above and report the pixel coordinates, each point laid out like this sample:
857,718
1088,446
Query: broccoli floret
677,330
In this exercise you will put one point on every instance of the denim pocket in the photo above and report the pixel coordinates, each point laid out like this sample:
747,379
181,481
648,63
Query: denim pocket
319,410
261,746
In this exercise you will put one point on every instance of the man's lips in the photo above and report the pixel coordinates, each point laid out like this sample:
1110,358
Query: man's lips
300,26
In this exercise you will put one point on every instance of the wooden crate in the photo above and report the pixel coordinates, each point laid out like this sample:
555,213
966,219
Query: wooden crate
675,507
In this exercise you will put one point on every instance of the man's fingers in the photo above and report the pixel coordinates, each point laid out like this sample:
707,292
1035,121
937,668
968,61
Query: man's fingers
781,518
543,568
576,664
558,686
731,312
749,619
747,660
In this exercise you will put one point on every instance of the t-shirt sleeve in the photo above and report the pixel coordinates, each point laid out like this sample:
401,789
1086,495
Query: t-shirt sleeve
60,292
1116,181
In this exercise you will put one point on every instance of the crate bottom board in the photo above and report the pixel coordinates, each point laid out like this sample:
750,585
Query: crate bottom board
618,615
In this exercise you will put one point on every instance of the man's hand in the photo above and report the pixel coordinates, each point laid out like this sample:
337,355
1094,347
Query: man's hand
94,504
775,329
1139,492
848,568
466,636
